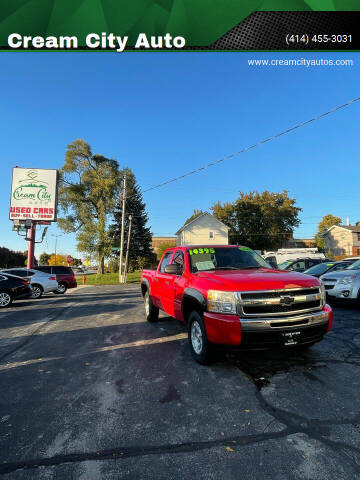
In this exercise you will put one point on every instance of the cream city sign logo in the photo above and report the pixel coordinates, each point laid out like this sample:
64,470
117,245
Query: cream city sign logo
32,189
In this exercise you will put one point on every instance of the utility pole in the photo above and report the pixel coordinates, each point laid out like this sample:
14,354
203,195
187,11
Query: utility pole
122,232
127,249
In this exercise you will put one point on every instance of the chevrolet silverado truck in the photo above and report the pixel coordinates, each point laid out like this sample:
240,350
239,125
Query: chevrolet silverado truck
230,296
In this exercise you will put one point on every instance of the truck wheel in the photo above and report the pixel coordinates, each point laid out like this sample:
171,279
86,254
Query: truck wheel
199,344
151,312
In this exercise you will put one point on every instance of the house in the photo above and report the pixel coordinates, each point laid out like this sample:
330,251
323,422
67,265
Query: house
157,241
343,239
203,230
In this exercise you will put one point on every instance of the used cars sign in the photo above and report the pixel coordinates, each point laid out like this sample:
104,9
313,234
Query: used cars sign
33,194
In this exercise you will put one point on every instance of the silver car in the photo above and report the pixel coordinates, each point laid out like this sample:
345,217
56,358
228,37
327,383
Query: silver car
39,282
344,284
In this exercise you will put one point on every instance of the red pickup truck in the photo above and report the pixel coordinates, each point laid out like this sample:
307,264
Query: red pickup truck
228,295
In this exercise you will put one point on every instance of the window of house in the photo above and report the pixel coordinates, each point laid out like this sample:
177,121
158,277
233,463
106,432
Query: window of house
211,235
358,237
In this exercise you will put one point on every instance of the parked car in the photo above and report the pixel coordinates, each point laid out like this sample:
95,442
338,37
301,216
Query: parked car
301,264
228,295
64,276
326,267
344,284
12,288
39,282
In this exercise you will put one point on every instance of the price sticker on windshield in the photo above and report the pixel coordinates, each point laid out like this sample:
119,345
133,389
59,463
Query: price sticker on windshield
201,251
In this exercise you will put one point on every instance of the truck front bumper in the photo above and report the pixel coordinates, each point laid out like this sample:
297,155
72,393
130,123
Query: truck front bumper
263,333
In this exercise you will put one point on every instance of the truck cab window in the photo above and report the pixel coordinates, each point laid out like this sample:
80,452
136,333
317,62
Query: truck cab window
179,260
166,261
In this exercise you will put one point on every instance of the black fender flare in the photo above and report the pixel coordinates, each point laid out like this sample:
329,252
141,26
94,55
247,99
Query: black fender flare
195,296
145,282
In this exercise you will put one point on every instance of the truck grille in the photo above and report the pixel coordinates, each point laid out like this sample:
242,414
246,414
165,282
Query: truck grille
279,302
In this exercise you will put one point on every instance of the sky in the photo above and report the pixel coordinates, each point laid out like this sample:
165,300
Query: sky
163,114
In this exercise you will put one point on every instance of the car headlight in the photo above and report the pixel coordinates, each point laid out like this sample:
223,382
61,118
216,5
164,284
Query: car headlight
346,280
221,302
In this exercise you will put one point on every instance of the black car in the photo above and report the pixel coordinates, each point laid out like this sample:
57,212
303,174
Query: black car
12,288
321,268
301,264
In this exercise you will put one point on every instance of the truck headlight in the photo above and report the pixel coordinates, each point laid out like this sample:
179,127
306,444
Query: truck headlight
348,280
221,302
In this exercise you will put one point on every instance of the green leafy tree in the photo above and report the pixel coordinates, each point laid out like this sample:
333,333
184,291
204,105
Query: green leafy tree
140,237
327,221
87,191
44,258
196,213
163,246
262,221
9,258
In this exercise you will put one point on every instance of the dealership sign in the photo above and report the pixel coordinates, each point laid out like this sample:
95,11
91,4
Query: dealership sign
33,194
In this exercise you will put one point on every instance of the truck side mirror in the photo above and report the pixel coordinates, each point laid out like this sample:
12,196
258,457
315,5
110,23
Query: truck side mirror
173,269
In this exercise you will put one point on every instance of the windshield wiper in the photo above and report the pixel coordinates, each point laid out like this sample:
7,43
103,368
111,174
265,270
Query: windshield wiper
253,266
226,268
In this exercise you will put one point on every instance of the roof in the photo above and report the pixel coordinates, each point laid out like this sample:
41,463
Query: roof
351,228
202,215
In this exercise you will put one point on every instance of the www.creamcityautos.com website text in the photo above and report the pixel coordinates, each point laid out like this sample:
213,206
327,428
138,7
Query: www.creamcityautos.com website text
301,62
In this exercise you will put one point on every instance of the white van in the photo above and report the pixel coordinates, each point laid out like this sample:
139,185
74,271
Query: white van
285,254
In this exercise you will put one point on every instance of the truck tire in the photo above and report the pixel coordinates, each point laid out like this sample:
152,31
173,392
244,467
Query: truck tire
151,312
199,345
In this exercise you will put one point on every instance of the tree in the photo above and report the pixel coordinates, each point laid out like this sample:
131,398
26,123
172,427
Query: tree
140,238
196,213
262,221
327,221
9,258
88,186
163,246
44,258
58,260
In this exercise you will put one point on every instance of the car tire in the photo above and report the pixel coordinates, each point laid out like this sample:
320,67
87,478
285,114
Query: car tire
200,347
62,287
151,312
36,290
6,299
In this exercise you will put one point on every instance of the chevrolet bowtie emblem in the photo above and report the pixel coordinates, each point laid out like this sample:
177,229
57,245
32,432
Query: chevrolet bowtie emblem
286,300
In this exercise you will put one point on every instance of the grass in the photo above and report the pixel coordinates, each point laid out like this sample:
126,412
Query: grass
109,278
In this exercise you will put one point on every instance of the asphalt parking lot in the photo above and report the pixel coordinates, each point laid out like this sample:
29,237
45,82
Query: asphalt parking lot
88,390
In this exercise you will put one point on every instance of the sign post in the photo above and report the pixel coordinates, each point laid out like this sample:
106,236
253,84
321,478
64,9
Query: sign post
69,259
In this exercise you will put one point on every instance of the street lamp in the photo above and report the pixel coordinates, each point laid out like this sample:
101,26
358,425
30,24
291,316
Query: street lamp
56,237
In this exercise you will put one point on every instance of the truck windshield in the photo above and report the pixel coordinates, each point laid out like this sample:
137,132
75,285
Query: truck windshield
225,258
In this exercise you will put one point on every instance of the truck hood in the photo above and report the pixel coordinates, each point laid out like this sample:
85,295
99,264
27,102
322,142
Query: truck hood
259,279
341,274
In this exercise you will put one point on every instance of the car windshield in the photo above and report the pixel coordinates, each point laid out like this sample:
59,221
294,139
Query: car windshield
319,269
224,258
354,266
283,265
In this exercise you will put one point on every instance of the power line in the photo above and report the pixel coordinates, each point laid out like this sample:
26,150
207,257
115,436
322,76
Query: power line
228,157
